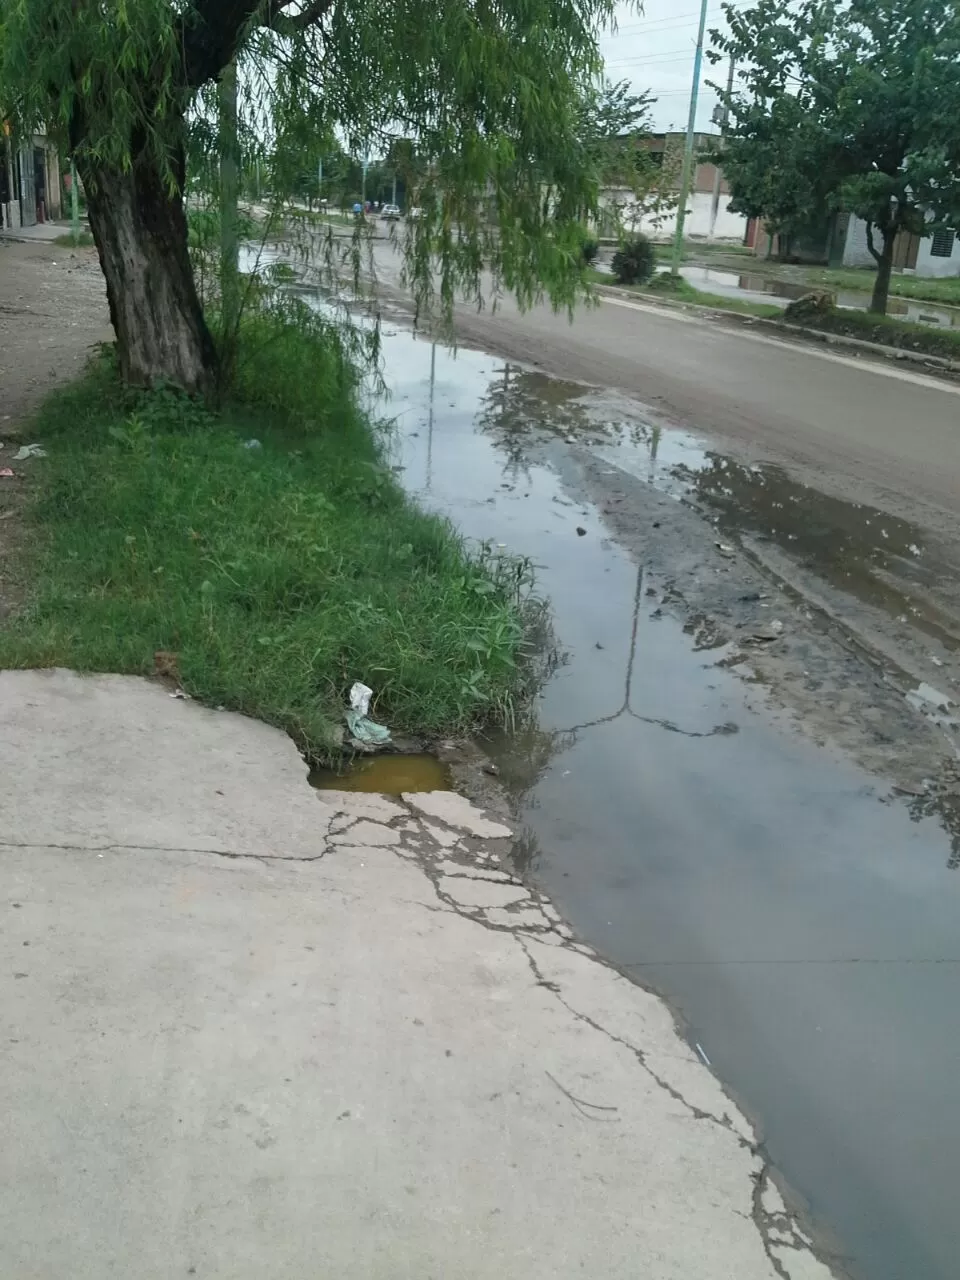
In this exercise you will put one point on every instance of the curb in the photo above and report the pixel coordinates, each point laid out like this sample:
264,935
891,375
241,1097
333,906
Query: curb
937,365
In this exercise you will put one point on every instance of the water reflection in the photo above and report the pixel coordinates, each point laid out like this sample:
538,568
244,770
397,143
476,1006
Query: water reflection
759,288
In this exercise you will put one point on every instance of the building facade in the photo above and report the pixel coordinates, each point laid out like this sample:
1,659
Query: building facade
708,213
30,185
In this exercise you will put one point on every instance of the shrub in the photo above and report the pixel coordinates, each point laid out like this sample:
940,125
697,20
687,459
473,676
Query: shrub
634,261
589,249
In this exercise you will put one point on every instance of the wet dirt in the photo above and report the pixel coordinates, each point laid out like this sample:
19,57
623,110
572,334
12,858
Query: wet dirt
707,788
388,774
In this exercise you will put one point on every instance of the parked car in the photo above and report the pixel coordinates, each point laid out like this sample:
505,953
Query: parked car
390,212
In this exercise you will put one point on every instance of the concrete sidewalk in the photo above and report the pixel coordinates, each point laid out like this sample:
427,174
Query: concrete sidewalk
251,1030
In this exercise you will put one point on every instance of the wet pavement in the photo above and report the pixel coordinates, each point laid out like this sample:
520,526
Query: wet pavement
800,920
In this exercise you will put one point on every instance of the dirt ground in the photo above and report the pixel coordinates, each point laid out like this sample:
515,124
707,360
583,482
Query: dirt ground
53,312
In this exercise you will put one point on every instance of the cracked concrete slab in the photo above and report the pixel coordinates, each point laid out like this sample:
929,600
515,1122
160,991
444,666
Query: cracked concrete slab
456,811
224,1063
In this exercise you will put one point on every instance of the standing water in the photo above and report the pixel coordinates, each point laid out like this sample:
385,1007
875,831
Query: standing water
805,933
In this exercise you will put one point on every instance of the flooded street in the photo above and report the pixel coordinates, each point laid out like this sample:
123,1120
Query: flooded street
707,789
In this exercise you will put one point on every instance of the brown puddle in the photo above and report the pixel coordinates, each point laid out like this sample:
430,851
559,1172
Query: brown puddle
389,775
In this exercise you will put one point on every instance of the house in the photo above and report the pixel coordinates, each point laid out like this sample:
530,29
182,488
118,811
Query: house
842,242
708,212
29,180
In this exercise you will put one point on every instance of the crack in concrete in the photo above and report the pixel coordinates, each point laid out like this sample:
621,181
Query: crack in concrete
698,1113
265,858
427,853
785,1224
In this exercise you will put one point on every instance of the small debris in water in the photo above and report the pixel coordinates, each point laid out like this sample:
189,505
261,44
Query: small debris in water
765,635
387,775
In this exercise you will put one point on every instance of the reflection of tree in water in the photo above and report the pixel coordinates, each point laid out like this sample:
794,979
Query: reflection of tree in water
526,754
523,408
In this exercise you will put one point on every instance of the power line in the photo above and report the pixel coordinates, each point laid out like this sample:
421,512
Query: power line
675,19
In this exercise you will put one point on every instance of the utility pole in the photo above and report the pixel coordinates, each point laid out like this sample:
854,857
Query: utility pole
718,176
687,170
320,180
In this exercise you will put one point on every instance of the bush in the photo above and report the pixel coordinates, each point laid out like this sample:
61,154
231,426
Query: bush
634,261
589,249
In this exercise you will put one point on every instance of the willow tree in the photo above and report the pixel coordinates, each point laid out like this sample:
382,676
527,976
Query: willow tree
488,89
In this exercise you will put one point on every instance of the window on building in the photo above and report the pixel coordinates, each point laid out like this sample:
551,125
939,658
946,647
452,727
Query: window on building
942,244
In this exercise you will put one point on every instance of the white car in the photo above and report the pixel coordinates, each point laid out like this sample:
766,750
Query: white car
390,212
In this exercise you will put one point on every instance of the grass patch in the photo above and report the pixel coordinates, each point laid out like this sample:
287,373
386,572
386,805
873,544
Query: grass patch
277,573
918,288
669,286
83,241
665,285
889,331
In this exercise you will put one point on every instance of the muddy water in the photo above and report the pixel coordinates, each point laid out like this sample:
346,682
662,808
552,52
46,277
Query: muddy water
804,926
390,775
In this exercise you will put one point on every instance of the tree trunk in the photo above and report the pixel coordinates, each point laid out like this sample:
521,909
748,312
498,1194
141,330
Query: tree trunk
140,230
881,286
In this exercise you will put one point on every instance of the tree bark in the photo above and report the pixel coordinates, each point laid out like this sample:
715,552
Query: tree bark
884,261
140,230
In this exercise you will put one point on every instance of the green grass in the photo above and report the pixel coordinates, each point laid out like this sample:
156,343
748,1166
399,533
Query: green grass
664,285
918,288
83,241
885,330
891,332
700,250
854,279
681,290
277,574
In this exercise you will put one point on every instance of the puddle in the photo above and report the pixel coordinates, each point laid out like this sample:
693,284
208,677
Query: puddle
763,289
754,287
804,926
796,923
390,774
883,561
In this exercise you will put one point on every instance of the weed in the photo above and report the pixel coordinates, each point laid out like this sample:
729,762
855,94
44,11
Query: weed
267,547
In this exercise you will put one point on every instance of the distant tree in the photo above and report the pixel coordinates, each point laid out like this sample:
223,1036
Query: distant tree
845,104
491,92
615,123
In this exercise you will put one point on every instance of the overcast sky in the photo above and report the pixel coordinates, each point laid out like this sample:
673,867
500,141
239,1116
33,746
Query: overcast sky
654,50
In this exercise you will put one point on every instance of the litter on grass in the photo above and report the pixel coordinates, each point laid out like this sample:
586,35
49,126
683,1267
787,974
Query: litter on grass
363,730
29,451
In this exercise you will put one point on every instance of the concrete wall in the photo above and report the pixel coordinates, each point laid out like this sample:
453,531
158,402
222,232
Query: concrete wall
730,226
928,265
855,250
857,254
